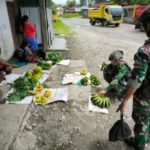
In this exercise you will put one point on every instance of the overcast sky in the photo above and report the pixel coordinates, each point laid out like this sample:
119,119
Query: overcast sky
61,1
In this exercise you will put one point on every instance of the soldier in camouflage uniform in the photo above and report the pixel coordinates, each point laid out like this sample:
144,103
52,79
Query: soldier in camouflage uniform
115,74
139,86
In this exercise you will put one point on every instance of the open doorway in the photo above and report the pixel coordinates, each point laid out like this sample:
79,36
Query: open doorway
14,17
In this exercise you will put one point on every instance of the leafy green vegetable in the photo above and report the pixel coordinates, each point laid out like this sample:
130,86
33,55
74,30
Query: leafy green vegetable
54,57
45,65
84,81
21,83
32,83
17,95
94,80
25,83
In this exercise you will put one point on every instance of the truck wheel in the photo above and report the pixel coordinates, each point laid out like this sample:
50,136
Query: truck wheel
93,23
104,23
141,28
117,25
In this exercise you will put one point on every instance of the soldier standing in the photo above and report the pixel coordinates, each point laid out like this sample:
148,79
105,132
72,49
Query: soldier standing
139,87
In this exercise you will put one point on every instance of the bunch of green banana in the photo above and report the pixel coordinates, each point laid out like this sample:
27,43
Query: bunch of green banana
84,72
100,101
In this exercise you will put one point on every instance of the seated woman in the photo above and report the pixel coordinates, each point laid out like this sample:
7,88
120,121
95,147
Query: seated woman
25,53
116,74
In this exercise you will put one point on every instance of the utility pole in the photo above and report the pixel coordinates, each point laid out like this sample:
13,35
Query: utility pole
43,14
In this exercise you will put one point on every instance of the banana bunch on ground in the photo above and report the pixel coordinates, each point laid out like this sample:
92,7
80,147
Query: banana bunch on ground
100,101
84,72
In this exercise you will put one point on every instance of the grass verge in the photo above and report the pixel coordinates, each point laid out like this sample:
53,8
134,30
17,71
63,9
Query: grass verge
61,28
70,15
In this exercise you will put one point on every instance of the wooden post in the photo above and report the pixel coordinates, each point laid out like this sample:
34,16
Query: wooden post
43,19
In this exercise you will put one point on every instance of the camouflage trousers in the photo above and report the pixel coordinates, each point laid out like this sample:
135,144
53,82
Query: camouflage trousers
141,116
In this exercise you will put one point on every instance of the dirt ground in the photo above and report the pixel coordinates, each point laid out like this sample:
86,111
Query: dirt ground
71,126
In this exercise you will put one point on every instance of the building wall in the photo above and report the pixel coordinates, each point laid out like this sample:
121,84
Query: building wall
6,40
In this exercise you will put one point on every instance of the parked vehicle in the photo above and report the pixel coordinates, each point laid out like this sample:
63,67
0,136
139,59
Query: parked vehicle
106,15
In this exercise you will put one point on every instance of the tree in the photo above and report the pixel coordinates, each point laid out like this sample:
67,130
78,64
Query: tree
82,2
71,3
132,1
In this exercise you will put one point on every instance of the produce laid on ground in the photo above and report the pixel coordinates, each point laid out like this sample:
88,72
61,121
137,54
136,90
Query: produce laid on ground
94,80
18,95
84,81
45,65
40,97
54,57
84,72
100,101
24,86
36,73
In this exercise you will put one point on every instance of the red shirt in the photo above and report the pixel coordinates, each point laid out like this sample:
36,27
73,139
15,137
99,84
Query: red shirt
29,30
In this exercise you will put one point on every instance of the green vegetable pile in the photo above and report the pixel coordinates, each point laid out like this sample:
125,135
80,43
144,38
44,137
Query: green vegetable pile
22,86
84,81
25,83
54,57
94,80
100,101
18,95
45,65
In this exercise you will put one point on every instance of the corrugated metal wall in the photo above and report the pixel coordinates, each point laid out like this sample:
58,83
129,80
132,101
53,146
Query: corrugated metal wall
34,15
31,8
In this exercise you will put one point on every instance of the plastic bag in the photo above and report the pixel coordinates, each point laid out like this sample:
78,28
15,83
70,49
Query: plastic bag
120,131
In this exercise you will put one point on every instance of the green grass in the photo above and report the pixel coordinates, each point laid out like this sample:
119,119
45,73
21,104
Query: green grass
70,15
61,28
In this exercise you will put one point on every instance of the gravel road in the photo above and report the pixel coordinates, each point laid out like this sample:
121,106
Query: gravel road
94,43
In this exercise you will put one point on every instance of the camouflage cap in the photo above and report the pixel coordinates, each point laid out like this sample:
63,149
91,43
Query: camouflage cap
116,55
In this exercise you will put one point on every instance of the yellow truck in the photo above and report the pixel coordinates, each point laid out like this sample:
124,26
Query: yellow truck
106,15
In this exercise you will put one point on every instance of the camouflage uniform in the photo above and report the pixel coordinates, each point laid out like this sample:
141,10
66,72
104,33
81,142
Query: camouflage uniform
121,72
116,77
140,79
